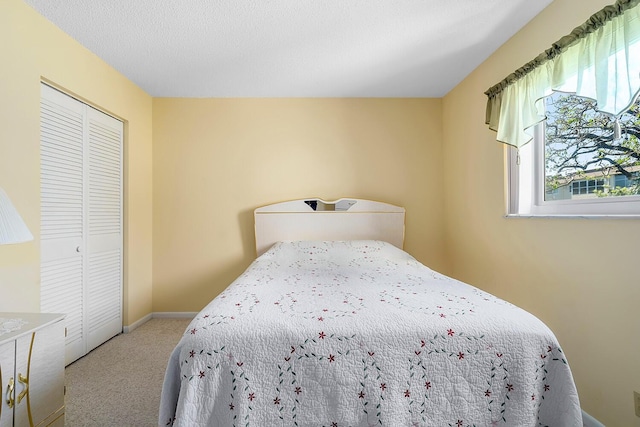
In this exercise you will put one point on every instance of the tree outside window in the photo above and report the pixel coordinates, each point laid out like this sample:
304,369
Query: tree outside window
584,155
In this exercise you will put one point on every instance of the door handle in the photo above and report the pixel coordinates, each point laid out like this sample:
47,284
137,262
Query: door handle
78,249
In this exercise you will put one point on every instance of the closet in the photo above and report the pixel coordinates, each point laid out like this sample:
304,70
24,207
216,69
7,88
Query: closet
81,233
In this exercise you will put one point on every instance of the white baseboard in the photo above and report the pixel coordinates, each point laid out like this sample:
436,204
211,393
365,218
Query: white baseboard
589,421
158,315
174,314
129,328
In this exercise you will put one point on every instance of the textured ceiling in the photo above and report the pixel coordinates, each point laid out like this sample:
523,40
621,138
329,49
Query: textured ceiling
292,48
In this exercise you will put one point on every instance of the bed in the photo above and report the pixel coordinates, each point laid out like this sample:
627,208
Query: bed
335,325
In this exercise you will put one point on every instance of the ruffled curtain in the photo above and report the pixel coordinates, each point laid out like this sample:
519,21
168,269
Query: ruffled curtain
598,60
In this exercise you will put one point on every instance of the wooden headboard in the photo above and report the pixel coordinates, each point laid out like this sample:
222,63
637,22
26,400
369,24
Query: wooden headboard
316,219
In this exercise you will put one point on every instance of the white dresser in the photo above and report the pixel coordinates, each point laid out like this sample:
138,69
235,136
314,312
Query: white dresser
32,364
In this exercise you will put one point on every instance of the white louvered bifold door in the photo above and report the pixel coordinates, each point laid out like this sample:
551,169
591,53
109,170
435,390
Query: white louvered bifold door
104,228
81,220
62,138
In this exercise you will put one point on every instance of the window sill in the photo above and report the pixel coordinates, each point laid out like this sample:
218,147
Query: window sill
574,216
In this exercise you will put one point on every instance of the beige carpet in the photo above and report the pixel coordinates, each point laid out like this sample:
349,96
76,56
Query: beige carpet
119,383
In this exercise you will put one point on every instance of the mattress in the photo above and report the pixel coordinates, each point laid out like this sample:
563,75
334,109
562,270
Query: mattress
359,333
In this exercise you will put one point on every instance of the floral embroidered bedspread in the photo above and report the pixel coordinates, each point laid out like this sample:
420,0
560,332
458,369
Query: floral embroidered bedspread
359,333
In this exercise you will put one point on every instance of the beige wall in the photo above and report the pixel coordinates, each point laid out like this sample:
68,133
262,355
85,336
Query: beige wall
216,160
579,276
33,49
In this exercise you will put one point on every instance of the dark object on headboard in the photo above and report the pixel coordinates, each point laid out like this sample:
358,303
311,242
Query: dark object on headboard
340,205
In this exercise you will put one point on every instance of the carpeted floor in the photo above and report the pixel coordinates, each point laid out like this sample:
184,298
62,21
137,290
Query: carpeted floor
119,383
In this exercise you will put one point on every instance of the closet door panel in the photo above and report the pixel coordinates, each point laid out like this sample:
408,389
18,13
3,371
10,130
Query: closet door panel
104,231
63,292
62,135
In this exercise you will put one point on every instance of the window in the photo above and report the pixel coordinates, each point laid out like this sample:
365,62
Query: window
578,102
587,186
580,162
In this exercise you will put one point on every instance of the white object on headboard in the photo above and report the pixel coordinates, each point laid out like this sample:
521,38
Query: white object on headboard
316,219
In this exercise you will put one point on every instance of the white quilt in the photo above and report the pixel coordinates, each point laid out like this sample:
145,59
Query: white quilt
359,333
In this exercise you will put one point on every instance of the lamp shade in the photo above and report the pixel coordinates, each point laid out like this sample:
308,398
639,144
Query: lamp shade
12,227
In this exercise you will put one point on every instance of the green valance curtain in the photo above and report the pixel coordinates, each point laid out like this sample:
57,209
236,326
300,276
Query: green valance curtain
599,59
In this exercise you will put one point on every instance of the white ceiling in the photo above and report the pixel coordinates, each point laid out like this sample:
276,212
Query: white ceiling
292,48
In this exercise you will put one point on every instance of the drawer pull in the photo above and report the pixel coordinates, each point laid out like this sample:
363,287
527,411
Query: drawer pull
25,381
10,400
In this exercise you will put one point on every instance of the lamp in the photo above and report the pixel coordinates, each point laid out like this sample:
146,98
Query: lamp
12,227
